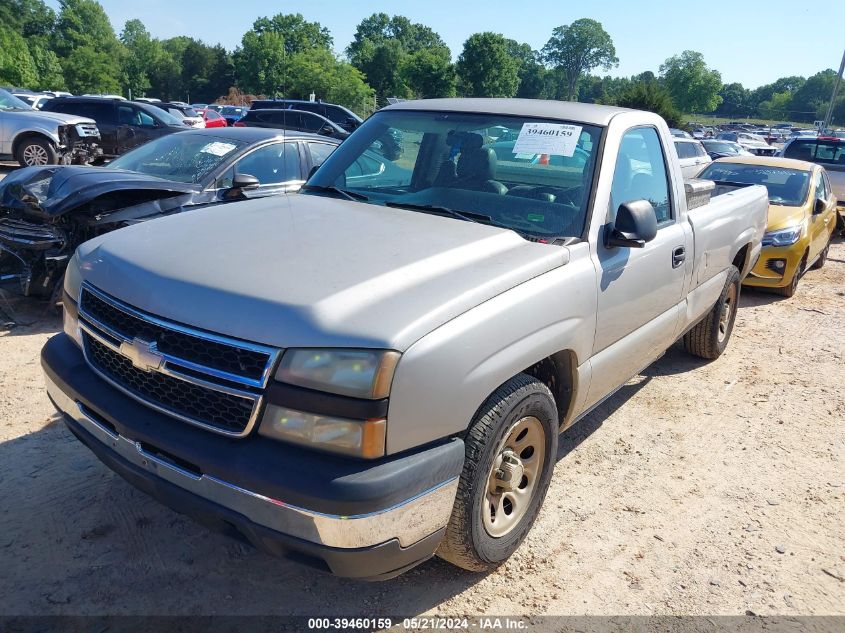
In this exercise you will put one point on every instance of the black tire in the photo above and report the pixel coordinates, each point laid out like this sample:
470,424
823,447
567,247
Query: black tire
467,543
36,150
709,338
822,258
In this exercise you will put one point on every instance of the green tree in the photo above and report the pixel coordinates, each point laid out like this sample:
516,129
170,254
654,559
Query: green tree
84,34
736,101
260,62
652,97
401,58
330,79
139,59
429,73
531,72
298,34
486,69
579,48
16,65
810,101
778,107
87,69
47,67
694,87
30,18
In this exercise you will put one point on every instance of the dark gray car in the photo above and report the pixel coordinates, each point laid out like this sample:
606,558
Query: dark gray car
46,212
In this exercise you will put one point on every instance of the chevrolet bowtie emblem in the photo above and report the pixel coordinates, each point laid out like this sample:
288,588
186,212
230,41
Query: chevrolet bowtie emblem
142,354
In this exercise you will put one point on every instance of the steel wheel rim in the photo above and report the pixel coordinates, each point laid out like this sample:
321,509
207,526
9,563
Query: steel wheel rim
34,155
725,314
520,455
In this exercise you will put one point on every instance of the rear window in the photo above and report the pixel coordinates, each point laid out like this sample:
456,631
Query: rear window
685,150
824,152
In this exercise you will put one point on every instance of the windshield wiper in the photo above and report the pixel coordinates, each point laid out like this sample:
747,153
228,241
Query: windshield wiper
351,195
469,216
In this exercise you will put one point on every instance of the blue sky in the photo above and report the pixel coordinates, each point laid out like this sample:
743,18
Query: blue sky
750,41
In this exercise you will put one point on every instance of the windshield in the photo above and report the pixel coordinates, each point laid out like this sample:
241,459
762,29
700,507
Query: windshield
182,157
725,147
10,102
787,187
530,175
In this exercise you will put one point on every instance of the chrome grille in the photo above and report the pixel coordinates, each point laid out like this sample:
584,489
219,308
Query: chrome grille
205,379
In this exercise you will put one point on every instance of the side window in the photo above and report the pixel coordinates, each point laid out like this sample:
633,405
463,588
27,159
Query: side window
821,191
801,150
827,189
640,173
146,119
127,115
320,152
311,123
272,164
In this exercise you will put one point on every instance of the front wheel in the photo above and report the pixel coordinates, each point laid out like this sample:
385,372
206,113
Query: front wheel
709,338
34,151
511,450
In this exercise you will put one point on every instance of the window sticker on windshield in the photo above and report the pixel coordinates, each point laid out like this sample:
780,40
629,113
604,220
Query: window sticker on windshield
217,148
556,139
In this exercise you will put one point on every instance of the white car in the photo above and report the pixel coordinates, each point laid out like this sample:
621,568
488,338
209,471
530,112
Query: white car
691,155
34,101
754,143
186,114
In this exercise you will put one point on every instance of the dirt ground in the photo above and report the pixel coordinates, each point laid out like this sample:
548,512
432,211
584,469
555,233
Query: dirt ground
699,488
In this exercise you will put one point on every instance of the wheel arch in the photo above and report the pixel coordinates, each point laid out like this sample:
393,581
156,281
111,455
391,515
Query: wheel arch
22,136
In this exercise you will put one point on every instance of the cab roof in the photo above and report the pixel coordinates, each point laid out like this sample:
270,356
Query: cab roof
770,161
589,113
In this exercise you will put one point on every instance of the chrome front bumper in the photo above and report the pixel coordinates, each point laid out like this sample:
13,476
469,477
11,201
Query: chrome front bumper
408,521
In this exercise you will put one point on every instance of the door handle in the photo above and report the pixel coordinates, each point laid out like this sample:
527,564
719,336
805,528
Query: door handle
679,254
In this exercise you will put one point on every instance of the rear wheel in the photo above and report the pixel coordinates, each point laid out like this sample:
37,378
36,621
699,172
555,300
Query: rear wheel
35,150
510,454
709,338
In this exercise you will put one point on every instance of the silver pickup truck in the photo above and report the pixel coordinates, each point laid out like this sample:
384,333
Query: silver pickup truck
376,370
32,137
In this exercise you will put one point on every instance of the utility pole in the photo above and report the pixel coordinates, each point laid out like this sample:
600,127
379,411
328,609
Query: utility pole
835,91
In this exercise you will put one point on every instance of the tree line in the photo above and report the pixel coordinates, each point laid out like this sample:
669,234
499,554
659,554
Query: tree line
77,49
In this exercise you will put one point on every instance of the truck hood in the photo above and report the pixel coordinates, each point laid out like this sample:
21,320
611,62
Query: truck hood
52,191
52,117
312,271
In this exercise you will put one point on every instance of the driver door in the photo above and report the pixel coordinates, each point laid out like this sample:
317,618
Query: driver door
639,289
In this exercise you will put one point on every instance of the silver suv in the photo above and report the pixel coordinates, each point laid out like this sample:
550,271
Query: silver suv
32,137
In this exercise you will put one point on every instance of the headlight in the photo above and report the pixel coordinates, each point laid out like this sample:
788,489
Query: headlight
360,438
355,373
783,237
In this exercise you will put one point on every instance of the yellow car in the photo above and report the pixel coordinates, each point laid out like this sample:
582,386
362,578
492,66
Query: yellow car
802,216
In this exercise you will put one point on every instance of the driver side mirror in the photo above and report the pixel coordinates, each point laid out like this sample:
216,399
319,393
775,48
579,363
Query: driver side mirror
819,206
327,130
636,224
241,183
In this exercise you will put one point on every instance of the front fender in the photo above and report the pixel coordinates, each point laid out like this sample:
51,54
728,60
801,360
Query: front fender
51,132
444,377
